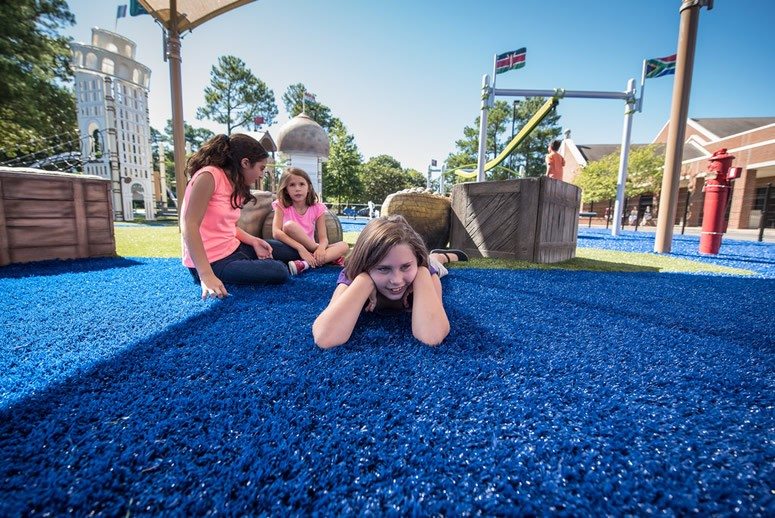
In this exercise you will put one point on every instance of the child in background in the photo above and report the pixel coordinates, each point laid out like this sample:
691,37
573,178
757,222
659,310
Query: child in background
389,268
215,249
554,161
297,215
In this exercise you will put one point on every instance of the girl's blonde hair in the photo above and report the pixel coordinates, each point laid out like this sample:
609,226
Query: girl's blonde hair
226,152
282,190
378,238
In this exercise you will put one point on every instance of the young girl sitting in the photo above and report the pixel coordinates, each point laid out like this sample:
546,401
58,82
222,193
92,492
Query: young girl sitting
297,215
388,268
215,249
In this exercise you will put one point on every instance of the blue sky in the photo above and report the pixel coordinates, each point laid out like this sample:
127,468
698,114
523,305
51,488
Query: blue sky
405,75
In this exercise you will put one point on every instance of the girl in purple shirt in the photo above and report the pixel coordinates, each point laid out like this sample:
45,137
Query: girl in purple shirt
389,268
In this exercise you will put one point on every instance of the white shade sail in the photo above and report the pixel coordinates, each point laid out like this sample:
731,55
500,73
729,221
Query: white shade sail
192,13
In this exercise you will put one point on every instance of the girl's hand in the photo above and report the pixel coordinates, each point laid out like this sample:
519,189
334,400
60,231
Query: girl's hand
371,302
320,255
263,249
306,256
212,286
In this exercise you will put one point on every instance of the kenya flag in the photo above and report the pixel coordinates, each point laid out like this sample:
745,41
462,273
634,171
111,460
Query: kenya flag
510,60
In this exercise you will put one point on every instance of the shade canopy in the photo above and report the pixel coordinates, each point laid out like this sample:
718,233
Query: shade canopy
191,13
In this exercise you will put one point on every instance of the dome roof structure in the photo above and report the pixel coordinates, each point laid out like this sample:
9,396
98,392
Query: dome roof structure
301,134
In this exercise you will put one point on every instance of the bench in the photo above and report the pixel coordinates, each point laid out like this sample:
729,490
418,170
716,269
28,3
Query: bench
589,215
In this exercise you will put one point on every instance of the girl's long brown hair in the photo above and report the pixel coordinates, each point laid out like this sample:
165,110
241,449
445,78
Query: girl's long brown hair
227,153
376,240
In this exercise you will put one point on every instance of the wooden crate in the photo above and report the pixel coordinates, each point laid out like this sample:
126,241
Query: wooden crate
50,215
531,219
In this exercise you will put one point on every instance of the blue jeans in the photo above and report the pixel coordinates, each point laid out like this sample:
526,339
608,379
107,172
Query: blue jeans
244,267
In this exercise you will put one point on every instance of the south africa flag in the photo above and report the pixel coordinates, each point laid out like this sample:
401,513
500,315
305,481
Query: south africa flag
659,67
510,60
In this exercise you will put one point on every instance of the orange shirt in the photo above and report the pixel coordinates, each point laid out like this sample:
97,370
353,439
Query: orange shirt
555,162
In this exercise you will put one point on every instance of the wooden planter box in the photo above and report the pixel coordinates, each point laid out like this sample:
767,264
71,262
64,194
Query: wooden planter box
49,215
532,219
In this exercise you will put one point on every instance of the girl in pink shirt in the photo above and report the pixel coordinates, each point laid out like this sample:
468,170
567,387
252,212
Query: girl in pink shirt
298,216
215,249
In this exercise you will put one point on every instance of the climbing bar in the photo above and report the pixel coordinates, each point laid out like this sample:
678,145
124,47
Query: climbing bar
560,93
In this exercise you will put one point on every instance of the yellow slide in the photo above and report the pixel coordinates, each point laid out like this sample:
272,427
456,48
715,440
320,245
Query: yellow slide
534,121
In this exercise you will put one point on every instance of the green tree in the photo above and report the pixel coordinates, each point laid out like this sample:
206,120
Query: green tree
531,152
645,168
598,179
317,111
235,96
37,110
340,173
383,175
416,178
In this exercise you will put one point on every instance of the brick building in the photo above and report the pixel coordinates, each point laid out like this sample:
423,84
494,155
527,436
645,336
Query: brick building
750,139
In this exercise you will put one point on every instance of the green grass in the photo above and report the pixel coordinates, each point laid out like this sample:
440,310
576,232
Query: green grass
162,239
157,240
596,260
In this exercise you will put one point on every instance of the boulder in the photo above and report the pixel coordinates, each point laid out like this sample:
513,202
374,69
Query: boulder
253,214
426,212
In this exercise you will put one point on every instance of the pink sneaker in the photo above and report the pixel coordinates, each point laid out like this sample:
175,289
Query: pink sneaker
338,262
296,267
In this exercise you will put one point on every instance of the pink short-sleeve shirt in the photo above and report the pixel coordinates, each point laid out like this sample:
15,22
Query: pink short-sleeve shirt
306,220
219,225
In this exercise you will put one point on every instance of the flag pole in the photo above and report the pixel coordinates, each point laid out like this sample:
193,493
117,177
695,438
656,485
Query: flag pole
642,87
494,67
486,93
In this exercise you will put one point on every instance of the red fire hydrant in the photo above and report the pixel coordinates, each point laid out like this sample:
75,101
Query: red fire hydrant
717,184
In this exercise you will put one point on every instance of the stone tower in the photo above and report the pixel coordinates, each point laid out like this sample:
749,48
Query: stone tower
111,91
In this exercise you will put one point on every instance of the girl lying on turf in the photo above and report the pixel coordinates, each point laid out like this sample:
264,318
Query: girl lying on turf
389,268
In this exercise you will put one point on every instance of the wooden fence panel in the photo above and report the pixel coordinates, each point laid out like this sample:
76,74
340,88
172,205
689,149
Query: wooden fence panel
51,215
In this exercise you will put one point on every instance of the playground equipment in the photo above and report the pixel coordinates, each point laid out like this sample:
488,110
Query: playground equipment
631,105
528,128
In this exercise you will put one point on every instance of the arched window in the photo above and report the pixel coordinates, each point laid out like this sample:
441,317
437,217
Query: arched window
108,66
96,145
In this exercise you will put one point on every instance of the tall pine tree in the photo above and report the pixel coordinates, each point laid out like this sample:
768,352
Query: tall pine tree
235,96
37,109
341,181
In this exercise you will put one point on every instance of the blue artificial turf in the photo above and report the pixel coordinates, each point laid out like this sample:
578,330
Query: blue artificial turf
734,253
557,392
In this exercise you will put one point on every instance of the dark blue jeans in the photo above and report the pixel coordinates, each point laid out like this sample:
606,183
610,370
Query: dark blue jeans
244,267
